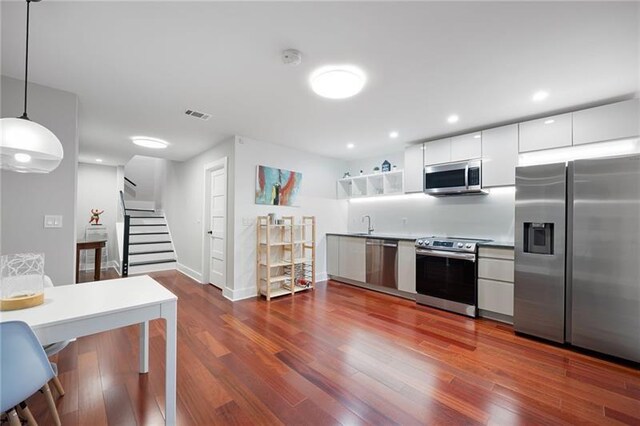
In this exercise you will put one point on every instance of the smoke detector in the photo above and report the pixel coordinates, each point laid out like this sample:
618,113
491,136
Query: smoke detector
197,114
291,57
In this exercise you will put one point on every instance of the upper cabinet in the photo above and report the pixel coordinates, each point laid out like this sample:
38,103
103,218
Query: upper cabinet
414,168
499,156
607,122
438,151
466,147
546,133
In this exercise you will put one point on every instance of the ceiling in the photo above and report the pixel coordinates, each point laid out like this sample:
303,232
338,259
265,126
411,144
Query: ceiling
136,66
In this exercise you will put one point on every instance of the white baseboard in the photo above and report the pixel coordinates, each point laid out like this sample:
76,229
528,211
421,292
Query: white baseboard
322,276
86,267
240,294
191,273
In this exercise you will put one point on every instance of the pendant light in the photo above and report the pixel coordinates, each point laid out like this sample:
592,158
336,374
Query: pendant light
26,146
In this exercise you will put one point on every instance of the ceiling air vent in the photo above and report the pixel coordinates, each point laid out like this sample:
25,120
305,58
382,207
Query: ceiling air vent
197,114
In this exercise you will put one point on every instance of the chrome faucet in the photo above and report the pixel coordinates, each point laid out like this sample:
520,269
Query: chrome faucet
369,228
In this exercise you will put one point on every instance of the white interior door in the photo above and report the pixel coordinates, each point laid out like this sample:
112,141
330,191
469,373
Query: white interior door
218,227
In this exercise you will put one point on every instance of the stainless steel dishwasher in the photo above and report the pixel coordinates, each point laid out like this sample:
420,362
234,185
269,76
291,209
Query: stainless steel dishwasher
382,262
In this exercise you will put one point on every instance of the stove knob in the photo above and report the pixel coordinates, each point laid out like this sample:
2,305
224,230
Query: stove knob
426,243
460,245
468,246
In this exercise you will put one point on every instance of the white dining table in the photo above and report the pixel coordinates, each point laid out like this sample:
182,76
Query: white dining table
77,310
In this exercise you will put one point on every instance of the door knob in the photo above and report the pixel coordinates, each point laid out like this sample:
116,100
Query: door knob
210,232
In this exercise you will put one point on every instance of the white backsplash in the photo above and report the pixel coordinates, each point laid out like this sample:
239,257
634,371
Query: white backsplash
479,216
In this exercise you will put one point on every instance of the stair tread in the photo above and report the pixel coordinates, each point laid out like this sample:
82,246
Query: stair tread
147,233
141,210
150,252
146,217
151,262
149,242
148,224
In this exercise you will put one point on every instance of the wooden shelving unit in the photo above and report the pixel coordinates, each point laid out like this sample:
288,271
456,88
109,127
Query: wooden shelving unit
286,256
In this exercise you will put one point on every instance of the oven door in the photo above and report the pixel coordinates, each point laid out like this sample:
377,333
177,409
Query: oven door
447,276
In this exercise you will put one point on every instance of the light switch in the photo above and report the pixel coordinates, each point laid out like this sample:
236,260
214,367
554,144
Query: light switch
53,221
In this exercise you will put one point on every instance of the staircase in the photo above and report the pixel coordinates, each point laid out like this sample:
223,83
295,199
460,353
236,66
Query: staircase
148,245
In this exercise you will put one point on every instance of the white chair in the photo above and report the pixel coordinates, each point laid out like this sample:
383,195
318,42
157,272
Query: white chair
24,369
53,349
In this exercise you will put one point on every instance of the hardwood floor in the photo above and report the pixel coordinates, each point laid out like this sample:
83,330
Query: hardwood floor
337,355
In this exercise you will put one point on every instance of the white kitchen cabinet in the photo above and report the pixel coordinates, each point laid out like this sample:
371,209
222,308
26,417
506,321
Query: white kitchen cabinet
414,168
333,255
496,282
496,269
466,147
495,296
499,156
352,262
407,266
607,122
438,151
546,133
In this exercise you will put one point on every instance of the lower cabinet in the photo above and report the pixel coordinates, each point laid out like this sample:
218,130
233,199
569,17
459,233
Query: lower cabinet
407,266
352,258
495,282
333,255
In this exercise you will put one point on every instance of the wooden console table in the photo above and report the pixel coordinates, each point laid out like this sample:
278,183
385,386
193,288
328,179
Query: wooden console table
96,245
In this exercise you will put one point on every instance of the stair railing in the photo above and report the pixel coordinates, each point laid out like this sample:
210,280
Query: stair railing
125,240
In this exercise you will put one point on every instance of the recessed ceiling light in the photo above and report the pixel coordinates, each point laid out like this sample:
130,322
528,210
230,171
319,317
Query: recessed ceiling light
22,158
98,160
453,119
478,136
350,146
540,95
337,81
549,121
394,135
149,142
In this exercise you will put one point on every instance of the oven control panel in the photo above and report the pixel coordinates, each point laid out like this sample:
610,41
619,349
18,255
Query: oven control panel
449,244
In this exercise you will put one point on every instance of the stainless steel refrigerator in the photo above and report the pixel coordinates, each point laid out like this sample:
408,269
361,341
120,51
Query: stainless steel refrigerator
577,264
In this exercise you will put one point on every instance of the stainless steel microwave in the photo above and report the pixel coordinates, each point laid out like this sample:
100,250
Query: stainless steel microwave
464,177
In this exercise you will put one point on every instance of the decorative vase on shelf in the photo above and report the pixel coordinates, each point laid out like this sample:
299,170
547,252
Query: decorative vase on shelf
376,169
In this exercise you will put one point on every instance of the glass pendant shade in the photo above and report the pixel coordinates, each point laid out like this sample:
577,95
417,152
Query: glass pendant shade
28,147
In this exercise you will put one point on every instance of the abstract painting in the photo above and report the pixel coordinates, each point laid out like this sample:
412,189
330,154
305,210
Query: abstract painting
277,187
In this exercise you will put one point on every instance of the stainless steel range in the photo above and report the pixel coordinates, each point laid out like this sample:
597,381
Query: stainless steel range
446,273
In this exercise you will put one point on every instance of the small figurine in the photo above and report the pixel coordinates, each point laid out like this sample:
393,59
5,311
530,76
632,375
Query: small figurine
95,216
386,166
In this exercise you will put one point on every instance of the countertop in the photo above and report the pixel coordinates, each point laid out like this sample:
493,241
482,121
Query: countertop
413,237
498,244
399,237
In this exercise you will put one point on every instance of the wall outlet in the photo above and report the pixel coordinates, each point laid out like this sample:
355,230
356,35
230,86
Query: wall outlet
52,221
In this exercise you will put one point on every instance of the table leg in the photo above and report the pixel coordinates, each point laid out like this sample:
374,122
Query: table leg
144,347
97,264
77,265
169,313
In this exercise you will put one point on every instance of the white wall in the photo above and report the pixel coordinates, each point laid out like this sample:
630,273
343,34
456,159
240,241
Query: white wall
479,216
98,188
26,198
367,164
182,200
148,173
317,197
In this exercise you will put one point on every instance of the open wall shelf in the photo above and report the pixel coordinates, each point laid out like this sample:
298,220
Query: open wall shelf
373,185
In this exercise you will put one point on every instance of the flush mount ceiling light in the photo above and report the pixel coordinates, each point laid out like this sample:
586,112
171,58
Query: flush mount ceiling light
478,136
337,81
540,95
453,119
26,146
350,146
549,121
394,135
98,160
147,142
